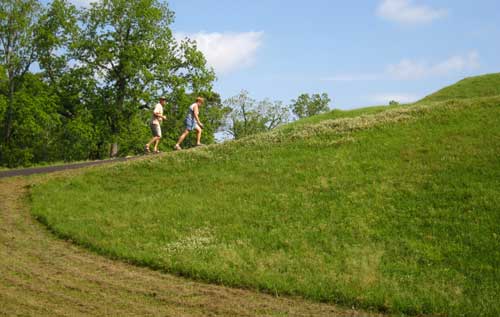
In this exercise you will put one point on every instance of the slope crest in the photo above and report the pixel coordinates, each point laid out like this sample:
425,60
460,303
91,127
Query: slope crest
472,87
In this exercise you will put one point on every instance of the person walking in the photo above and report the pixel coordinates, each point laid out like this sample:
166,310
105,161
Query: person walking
192,122
155,123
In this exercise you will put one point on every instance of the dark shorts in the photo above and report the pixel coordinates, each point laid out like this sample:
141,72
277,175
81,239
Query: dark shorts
155,130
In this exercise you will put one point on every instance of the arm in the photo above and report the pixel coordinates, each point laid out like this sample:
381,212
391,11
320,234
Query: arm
157,113
196,112
159,116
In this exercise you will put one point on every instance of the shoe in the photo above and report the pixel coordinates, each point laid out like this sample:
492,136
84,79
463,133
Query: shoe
146,149
157,152
177,147
200,144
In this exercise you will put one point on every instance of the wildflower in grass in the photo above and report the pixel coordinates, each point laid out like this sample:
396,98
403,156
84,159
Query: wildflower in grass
200,239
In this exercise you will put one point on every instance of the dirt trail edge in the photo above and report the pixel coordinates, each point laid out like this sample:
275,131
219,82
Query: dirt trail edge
41,275
57,168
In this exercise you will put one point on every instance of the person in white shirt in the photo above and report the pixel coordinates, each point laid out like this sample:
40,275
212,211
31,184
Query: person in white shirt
156,120
192,122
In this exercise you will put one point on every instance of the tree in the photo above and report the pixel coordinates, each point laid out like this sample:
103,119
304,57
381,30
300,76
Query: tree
306,106
35,124
130,48
58,28
213,115
18,27
99,67
249,116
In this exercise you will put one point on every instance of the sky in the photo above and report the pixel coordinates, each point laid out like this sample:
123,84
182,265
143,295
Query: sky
361,53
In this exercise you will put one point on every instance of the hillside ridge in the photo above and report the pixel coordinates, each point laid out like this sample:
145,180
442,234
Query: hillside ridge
394,211
469,87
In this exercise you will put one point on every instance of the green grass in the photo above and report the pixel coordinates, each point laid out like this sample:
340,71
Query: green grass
478,86
392,211
338,114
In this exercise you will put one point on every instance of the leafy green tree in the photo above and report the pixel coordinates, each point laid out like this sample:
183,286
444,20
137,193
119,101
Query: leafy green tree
3,107
98,65
306,106
213,115
18,27
35,122
249,116
3,98
274,113
58,27
133,55
75,86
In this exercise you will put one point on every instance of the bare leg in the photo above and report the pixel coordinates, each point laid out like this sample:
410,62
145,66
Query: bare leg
198,135
151,141
156,143
182,137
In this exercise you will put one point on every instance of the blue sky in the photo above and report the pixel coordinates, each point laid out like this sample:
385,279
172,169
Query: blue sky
361,53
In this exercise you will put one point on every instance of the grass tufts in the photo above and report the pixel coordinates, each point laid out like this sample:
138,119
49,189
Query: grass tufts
394,211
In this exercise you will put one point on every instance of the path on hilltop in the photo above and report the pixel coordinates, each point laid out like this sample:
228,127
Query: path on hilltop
44,276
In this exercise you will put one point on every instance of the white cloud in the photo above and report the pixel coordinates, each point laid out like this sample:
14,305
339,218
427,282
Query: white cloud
398,97
408,69
405,11
227,52
457,63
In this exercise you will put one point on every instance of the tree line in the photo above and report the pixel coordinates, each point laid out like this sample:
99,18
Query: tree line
78,84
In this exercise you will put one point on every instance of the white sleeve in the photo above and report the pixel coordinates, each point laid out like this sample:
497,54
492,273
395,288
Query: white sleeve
158,109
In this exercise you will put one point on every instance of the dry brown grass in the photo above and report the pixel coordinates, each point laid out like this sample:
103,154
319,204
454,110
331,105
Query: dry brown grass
43,276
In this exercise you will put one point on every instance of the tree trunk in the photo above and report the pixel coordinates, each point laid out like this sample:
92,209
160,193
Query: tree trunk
113,150
118,114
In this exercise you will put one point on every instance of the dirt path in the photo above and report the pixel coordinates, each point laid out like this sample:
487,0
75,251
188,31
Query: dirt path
41,275
56,168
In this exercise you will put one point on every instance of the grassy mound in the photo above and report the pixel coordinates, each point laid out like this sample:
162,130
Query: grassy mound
478,86
391,211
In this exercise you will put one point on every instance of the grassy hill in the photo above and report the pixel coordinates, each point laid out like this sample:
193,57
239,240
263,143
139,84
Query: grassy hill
388,209
473,87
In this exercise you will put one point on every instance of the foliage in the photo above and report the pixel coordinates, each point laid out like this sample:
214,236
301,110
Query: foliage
34,123
79,137
58,28
132,51
101,65
306,106
18,26
249,117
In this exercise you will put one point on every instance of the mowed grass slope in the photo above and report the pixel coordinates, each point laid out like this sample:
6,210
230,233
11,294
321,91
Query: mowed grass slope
472,87
392,211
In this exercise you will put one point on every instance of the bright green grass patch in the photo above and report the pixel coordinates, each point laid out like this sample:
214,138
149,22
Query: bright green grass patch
472,87
338,114
396,211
